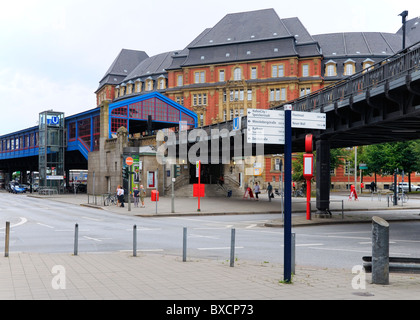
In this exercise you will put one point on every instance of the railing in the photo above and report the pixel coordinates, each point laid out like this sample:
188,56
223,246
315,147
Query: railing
391,68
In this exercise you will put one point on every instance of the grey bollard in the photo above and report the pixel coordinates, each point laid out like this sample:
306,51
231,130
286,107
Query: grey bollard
184,245
232,247
76,239
7,238
380,251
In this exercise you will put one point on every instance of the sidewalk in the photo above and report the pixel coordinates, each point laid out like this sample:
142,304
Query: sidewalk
158,277
119,275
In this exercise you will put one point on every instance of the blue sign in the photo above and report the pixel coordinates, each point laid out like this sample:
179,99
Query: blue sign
236,123
53,120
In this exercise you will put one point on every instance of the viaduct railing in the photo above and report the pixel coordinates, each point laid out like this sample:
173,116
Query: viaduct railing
397,66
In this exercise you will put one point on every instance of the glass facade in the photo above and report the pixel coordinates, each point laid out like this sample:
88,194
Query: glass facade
51,146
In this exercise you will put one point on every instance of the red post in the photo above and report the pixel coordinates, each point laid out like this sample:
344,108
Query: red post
308,199
308,172
199,184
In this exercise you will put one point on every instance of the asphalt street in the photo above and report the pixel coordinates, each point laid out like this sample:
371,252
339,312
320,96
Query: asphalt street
45,226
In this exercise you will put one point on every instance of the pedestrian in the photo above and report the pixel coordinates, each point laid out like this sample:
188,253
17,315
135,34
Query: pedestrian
256,190
136,196
270,191
120,196
142,194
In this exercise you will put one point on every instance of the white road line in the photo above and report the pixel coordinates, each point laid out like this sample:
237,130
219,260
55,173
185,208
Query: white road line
93,219
143,250
45,225
96,239
201,236
218,248
22,221
309,244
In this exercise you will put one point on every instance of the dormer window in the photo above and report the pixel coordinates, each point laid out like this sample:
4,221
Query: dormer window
330,68
349,67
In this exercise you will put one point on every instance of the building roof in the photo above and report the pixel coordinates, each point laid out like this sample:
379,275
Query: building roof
244,27
359,44
123,64
155,65
260,34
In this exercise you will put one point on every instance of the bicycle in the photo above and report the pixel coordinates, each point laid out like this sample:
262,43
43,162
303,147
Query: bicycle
400,196
110,199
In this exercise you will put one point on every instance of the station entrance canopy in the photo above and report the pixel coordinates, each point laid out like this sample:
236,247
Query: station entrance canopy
158,110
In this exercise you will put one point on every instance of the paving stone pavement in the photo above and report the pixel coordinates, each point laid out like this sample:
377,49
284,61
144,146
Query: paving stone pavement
153,276
119,275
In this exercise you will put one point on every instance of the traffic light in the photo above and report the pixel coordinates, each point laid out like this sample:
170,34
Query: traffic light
125,172
177,170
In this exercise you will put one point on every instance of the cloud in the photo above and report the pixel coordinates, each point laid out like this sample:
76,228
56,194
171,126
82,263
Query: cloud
26,95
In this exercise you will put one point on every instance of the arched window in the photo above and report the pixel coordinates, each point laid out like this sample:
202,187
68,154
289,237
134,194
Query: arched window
237,74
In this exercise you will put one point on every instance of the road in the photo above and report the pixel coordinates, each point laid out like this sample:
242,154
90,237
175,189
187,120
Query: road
40,225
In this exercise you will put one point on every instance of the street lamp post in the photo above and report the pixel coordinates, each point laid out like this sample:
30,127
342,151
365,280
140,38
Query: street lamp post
404,15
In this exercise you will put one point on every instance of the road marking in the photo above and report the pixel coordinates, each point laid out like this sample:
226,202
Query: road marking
93,219
251,226
96,239
200,236
218,248
309,244
143,250
45,225
22,221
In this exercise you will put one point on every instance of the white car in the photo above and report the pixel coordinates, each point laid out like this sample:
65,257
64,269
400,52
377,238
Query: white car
404,186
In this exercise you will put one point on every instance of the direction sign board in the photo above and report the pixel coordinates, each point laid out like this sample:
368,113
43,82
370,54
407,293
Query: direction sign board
309,120
265,126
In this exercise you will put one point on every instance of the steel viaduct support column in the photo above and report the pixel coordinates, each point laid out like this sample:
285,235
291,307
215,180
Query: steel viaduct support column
323,179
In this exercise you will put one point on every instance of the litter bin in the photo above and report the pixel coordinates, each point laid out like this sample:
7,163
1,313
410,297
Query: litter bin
155,195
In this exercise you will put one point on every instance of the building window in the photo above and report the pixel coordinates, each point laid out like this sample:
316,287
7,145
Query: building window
304,91
237,74
249,94
179,81
224,115
349,67
330,70
277,71
199,77
254,73
236,95
200,99
305,70
162,83
222,75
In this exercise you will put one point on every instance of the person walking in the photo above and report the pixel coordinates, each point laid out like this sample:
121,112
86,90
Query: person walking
120,196
256,190
142,194
136,196
270,191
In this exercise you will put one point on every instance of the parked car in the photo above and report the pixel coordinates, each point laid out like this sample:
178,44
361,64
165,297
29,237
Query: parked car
14,187
404,186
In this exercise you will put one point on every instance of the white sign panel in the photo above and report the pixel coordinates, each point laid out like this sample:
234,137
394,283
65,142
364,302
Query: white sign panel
265,126
309,120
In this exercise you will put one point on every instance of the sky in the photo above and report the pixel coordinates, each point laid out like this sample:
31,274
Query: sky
54,53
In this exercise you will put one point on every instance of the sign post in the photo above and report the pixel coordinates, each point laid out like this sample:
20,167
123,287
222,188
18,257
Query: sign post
129,162
287,277
198,173
308,172
275,127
